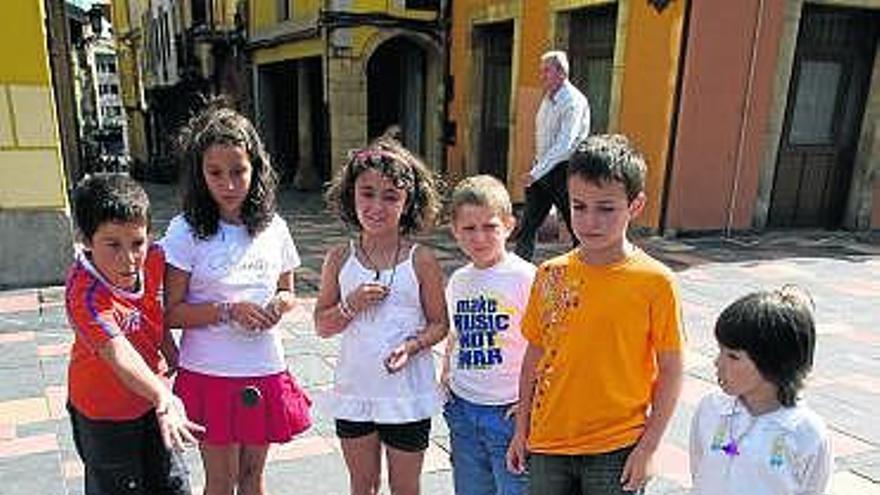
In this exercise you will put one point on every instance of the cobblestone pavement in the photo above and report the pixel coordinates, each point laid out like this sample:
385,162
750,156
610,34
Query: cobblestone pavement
842,273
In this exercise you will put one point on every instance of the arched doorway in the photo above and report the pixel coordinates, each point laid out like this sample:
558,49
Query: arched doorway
396,75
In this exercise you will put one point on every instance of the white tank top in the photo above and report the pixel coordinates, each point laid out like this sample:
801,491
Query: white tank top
364,390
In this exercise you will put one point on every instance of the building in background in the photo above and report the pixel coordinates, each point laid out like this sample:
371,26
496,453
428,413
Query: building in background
101,116
328,75
34,217
174,54
752,114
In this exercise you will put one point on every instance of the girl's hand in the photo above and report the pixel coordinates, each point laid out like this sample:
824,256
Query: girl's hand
516,453
367,295
176,429
278,305
639,468
397,359
400,355
251,316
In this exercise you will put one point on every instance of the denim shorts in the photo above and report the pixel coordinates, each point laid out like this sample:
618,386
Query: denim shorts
479,436
590,474
127,457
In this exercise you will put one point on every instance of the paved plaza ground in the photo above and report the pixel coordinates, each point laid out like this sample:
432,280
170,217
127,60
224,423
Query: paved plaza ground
841,272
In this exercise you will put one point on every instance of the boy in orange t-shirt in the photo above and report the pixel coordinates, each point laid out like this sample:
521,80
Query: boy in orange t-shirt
603,368
127,425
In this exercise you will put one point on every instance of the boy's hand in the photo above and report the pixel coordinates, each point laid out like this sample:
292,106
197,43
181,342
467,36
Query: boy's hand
176,429
444,384
516,453
511,411
639,468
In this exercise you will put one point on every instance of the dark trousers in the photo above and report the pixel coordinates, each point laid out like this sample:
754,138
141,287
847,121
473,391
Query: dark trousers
549,190
595,474
127,457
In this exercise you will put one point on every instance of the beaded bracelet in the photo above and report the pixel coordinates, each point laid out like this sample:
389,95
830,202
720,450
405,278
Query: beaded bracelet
345,309
224,312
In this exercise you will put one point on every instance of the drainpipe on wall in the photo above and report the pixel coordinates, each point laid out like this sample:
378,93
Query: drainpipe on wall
676,110
747,106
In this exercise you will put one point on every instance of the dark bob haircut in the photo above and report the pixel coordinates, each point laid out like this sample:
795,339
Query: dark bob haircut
108,197
216,125
392,160
777,331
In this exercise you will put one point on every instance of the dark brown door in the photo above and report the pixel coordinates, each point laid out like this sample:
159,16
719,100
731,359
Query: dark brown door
497,46
826,102
592,32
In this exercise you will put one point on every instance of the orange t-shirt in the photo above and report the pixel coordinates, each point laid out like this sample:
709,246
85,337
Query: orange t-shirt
600,328
98,312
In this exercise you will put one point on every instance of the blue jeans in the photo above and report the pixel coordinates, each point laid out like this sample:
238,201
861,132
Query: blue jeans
479,436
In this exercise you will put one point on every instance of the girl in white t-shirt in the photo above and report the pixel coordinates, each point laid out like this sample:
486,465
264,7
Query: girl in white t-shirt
229,279
757,437
384,294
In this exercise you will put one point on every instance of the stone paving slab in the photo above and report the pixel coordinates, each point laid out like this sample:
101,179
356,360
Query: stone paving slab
841,272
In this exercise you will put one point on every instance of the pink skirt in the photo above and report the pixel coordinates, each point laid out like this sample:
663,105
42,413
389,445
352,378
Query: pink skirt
248,410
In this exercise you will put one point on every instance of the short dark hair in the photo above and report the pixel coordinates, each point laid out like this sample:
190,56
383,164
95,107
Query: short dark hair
406,171
777,331
108,197
224,126
605,158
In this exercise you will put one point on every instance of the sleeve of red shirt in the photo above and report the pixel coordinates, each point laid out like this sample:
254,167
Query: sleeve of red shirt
90,310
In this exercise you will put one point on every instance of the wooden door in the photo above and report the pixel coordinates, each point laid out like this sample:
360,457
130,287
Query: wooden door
592,33
497,49
826,102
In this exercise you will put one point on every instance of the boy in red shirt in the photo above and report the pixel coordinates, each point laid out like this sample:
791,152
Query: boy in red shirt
127,425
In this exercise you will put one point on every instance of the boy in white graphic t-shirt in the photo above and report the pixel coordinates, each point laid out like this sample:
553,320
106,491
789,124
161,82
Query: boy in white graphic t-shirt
486,300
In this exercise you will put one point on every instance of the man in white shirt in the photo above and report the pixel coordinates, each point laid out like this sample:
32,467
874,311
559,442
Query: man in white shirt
562,121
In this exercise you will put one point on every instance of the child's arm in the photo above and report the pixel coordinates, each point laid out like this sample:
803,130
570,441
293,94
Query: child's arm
181,314
176,429
330,317
516,452
448,349
433,298
666,391
168,348
284,299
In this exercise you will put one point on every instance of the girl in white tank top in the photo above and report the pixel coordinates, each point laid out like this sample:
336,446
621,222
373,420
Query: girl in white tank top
385,295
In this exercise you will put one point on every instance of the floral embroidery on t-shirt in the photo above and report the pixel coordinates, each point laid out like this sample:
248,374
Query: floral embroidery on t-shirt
559,295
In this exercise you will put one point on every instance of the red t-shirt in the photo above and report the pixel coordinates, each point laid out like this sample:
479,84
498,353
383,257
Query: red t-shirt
98,312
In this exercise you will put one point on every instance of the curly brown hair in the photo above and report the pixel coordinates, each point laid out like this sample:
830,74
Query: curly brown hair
219,125
404,169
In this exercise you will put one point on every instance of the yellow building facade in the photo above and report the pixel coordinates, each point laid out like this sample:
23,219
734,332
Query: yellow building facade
34,220
624,56
329,76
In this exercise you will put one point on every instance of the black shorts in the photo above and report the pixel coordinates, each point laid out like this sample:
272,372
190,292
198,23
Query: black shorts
408,437
127,457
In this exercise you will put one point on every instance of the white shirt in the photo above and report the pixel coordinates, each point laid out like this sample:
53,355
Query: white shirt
231,266
364,390
562,121
784,452
485,309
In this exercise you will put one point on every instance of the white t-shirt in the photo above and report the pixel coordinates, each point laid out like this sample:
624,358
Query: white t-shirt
229,267
485,309
784,452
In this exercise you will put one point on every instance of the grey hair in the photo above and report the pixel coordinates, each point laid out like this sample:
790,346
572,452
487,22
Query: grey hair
559,57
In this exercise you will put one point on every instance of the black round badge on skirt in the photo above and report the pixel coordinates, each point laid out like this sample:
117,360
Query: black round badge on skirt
250,396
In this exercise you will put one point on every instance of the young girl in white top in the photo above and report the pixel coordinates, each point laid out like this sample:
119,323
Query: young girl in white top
384,294
229,279
757,437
